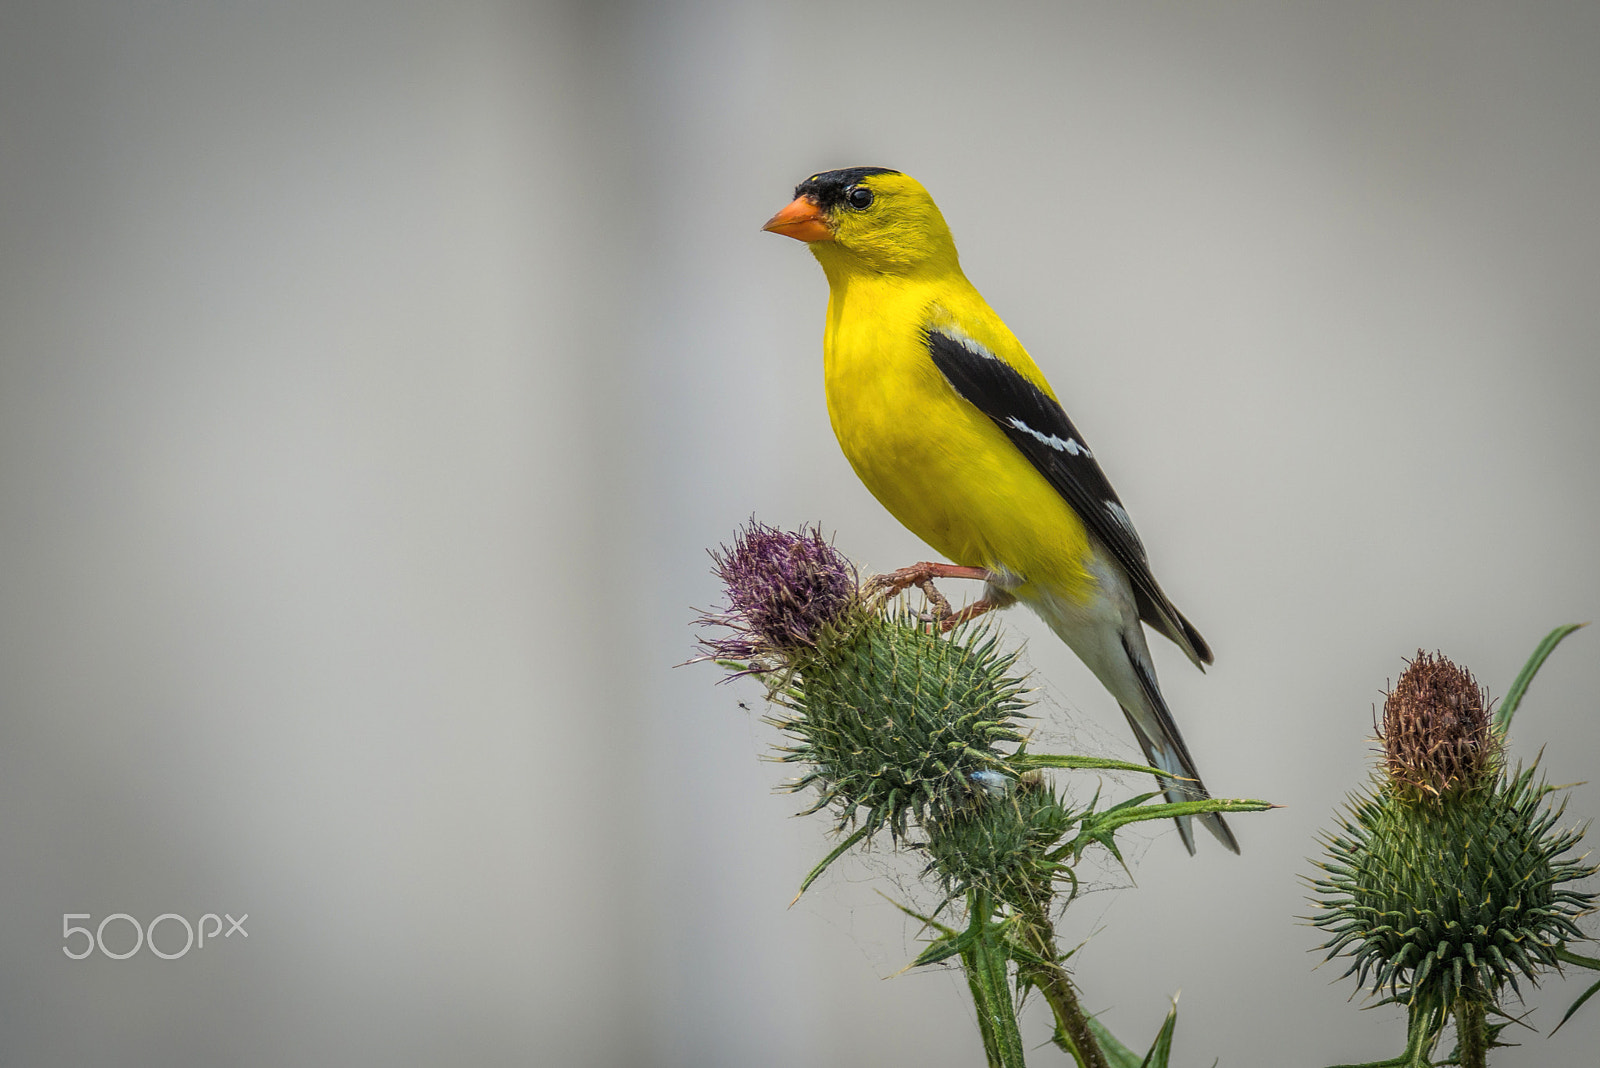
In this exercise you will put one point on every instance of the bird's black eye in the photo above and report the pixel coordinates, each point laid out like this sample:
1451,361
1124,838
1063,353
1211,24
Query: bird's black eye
859,197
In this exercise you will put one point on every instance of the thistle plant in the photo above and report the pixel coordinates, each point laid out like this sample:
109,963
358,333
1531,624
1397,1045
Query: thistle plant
1448,880
918,736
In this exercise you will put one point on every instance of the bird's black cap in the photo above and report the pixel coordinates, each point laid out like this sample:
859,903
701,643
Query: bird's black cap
828,189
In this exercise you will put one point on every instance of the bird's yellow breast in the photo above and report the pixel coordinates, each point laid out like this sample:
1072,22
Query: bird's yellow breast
940,466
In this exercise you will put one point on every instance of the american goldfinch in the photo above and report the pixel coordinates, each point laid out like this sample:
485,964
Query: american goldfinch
951,425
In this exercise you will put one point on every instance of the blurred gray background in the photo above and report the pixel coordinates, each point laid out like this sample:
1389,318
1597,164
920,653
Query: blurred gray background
373,378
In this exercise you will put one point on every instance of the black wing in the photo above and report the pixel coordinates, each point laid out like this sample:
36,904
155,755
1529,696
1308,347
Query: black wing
1041,431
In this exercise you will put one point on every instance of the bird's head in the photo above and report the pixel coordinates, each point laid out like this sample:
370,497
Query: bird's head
867,218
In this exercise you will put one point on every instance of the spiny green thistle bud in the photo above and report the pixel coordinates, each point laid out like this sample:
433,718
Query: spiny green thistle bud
1445,880
898,722
1435,730
1003,845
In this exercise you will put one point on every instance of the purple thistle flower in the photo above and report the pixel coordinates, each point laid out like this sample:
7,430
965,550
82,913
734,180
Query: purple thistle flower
783,588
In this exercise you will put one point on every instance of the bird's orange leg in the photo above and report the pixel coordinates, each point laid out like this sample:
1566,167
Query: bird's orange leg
917,574
972,611
922,575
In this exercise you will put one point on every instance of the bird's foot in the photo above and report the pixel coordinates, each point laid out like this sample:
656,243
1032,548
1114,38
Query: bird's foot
921,576
972,611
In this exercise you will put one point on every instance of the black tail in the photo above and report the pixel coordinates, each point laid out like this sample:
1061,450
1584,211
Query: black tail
1168,753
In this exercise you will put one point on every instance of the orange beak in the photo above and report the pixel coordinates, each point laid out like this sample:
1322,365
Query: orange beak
801,220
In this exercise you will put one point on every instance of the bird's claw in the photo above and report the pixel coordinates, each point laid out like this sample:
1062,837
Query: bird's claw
921,576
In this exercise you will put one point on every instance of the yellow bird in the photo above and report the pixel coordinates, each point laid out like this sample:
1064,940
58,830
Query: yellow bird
949,422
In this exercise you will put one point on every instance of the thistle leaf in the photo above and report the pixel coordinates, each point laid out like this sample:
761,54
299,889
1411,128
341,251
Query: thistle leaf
1508,707
1100,826
1576,1005
1567,956
945,948
1161,1048
1083,763
1117,1055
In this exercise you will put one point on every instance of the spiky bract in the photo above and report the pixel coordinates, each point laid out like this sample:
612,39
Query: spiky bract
1437,898
1435,729
894,720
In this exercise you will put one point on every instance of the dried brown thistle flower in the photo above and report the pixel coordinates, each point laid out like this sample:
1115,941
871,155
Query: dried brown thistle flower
1435,730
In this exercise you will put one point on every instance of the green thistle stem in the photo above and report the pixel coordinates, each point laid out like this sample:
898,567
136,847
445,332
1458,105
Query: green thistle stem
985,964
1053,982
991,1049
1472,1031
1422,1033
